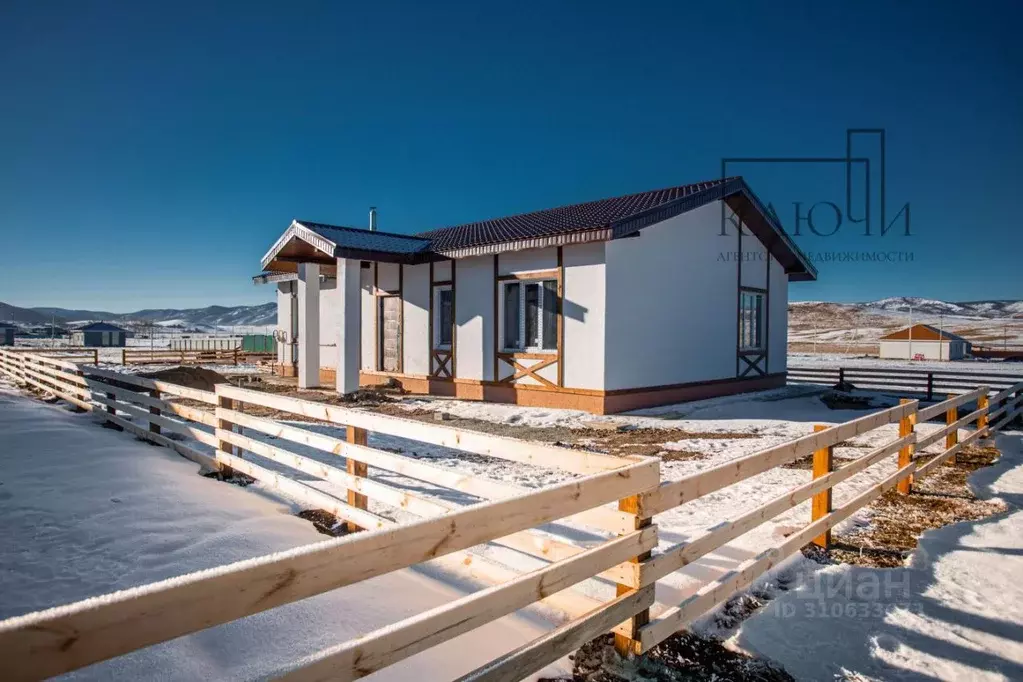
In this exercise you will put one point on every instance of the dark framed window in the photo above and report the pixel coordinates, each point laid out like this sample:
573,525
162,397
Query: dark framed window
751,320
444,316
530,320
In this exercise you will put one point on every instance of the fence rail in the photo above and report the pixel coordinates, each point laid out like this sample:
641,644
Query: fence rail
921,382
39,644
182,357
36,645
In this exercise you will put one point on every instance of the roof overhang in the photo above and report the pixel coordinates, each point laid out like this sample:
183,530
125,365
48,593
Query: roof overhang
301,244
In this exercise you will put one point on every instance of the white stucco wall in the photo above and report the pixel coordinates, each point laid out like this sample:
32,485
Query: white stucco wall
369,320
583,306
754,264
931,350
416,294
778,312
329,322
284,320
529,260
672,302
442,271
387,277
474,318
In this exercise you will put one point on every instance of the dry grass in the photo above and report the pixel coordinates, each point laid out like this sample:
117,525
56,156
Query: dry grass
897,521
685,656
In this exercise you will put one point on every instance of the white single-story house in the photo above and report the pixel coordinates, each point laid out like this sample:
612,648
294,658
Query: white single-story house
99,334
924,342
611,305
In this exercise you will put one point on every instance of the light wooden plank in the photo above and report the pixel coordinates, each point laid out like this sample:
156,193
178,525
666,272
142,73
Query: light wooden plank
480,486
364,655
52,371
420,506
928,468
206,461
208,397
1002,395
674,493
515,450
677,556
928,413
674,619
204,437
57,383
304,493
192,414
59,393
126,395
543,651
38,645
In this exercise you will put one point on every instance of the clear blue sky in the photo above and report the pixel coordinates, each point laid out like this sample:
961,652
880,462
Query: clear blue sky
150,153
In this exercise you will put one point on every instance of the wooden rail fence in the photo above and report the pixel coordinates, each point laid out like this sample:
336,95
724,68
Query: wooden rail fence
227,356
921,382
38,644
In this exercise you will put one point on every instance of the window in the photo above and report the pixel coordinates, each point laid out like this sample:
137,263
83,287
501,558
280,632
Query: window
530,317
443,316
751,320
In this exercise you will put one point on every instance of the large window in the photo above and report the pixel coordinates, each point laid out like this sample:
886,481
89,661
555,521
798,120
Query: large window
751,320
443,316
530,315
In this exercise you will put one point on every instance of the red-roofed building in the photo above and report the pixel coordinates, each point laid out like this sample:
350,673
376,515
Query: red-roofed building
611,305
924,342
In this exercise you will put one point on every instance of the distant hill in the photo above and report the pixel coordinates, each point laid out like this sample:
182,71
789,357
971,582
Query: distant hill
192,318
25,316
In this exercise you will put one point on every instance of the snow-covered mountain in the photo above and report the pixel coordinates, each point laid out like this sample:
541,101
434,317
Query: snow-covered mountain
926,306
192,318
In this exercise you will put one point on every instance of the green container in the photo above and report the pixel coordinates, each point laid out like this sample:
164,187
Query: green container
259,343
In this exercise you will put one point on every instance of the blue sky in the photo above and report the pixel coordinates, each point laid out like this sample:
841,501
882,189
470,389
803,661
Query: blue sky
151,154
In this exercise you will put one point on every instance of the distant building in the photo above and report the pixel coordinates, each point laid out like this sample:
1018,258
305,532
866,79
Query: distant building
99,334
924,342
7,334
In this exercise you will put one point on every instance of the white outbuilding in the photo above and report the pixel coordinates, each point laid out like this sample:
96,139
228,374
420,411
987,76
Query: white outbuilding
924,342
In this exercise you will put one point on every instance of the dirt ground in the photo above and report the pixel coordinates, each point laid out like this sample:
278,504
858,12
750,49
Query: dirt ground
897,520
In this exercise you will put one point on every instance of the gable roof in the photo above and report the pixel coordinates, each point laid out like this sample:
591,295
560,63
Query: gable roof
601,220
100,327
923,332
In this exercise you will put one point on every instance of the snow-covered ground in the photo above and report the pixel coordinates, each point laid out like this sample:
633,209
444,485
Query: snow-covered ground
955,612
88,510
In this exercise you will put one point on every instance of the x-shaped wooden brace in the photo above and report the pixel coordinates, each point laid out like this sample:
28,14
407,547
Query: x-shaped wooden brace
531,371
752,365
442,359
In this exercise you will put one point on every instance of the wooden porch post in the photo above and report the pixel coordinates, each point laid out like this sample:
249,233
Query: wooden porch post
823,464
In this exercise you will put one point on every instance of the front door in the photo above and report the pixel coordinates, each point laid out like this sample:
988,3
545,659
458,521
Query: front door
390,333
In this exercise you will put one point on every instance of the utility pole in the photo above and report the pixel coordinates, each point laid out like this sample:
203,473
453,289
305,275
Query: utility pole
910,306
941,335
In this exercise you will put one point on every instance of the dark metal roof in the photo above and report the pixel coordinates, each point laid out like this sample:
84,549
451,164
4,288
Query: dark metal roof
602,213
358,239
601,220
100,327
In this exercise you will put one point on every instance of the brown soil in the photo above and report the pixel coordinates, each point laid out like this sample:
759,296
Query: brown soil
623,441
324,522
898,520
190,377
685,656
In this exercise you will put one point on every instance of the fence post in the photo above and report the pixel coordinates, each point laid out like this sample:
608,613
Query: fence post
823,464
906,425
983,403
153,426
841,376
626,644
124,354
953,436
930,386
222,445
356,436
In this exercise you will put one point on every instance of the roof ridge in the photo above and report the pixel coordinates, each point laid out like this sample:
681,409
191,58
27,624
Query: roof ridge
709,183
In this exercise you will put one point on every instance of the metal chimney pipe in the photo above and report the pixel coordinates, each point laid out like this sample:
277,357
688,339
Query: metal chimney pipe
372,218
